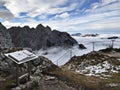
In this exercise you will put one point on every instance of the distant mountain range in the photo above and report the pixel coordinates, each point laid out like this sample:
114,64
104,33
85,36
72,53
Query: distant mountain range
76,34
35,38
85,35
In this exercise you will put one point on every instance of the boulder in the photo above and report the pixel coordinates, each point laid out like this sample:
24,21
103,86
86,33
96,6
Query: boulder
81,46
43,65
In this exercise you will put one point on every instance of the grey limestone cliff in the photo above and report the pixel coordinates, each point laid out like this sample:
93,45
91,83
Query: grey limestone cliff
5,39
40,37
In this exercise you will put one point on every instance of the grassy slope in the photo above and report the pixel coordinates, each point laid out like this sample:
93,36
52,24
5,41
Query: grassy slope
76,80
86,82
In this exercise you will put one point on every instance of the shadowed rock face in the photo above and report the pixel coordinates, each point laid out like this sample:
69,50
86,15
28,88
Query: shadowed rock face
81,46
5,39
39,37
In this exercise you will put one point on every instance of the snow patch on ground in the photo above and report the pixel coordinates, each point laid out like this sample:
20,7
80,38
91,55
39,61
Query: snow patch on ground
99,68
113,85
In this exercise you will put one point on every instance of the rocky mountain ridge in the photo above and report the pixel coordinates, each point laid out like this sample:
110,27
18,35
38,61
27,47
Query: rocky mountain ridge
39,37
5,38
35,38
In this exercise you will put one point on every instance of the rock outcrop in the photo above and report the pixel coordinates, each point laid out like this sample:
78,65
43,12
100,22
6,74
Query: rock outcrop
81,46
39,79
5,39
39,37
41,64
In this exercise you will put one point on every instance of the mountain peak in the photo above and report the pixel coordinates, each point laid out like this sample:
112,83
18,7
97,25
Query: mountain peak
48,28
2,27
26,27
40,27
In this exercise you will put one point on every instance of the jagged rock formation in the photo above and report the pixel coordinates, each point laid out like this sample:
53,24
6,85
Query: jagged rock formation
5,39
39,37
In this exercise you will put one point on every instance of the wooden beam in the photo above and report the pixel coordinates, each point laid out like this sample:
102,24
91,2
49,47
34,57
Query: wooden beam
29,69
22,76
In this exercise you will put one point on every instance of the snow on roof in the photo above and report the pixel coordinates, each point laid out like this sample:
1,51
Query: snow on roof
21,56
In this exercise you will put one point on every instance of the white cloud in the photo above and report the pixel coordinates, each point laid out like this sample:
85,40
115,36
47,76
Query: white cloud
63,15
36,7
1,2
17,6
30,22
50,9
5,14
103,15
8,24
95,5
92,21
108,1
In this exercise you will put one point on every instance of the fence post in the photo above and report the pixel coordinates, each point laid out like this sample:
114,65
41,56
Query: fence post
57,62
93,46
17,74
70,53
112,43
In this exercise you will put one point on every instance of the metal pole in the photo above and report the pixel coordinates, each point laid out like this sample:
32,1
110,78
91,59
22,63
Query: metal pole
29,69
70,53
57,62
112,43
17,74
93,46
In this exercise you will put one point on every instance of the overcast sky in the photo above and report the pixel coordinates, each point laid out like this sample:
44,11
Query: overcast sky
84,16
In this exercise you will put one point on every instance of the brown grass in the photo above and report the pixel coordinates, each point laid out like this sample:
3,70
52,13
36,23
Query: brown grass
77,80
7,83
71,78
86,82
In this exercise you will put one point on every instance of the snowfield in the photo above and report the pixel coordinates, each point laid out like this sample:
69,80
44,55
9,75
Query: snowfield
60,56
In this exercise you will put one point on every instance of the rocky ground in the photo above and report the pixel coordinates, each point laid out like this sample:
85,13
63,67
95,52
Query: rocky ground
92,71
40,78
103,64
94,63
